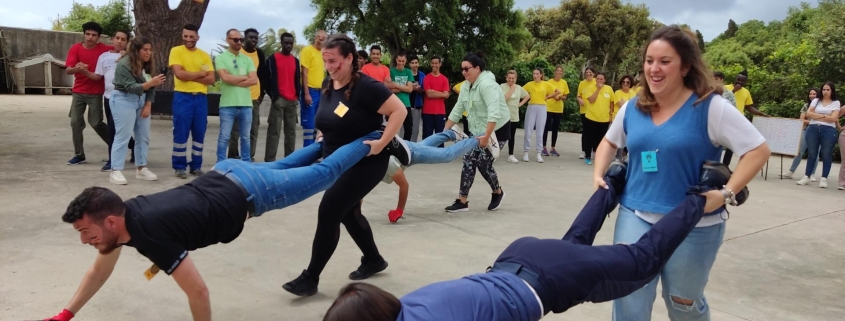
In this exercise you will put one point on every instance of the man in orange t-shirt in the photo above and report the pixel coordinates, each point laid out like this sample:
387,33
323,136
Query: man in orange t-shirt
375,69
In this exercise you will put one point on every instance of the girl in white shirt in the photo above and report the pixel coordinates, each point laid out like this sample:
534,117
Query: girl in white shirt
821,133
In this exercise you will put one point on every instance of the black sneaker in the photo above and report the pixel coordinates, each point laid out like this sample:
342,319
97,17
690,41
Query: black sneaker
367,270
303,285
180,173
458,206
399,149
496,201
106,167
76,160
197,172
132,159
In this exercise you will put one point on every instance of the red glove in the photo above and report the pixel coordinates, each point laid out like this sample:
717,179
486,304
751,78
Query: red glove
394,215
65,315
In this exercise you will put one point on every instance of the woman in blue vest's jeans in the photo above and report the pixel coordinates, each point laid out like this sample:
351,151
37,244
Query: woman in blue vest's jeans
678,122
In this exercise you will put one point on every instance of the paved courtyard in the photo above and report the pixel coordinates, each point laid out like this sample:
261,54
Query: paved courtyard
782,258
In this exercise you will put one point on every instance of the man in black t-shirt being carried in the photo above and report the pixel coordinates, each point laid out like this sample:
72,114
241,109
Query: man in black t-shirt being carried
209,210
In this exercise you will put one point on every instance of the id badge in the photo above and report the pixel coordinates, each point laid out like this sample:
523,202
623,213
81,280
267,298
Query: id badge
341,110
649,160
151,272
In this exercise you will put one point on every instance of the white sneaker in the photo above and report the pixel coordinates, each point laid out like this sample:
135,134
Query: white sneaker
525,157
116,177
459,133
493,145
539,158
145,174
823,182
582,156
803,181
512,159
841,187
786,175
813,178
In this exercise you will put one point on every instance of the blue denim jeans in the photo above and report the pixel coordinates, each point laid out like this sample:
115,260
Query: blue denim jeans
288,181
684,275
228,117
820,138
427,152
126,110
802,147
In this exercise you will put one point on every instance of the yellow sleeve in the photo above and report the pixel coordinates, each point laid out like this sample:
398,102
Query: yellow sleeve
206,60
551,88
305,59
565,89
749,101
175,58
580,90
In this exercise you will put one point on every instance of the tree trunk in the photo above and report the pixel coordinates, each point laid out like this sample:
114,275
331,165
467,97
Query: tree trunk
155,20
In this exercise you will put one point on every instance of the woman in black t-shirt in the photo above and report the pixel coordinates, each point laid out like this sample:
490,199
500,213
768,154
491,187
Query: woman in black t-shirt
351,106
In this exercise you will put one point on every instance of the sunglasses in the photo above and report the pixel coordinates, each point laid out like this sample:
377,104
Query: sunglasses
235,62
465,69
237,40
626,82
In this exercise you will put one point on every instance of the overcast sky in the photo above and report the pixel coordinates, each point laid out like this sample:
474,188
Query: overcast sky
710,17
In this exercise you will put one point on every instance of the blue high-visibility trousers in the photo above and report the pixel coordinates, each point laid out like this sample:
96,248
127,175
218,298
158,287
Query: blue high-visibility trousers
190,117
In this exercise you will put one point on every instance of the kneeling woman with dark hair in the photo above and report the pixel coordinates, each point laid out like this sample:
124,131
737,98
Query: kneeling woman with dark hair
533,277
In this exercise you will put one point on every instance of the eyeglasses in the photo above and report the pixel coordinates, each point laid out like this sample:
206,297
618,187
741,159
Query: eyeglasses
237,40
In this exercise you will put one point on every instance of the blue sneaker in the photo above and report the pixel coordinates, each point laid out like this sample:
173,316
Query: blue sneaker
106,167
588,161
76,160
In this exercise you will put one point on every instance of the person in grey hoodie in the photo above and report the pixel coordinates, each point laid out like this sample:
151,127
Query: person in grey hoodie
487,114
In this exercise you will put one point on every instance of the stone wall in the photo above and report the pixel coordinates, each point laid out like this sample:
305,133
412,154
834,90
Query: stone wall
22,43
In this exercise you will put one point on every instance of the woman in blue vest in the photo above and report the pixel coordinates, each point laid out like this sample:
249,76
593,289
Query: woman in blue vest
671,128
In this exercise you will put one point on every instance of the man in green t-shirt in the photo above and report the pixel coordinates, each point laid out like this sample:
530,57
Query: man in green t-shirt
238,73
402,83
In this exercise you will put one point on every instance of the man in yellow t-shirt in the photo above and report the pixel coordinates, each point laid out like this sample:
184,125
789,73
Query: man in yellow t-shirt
598,115
313,73
554,109
457,89
743,102
193,72
256,92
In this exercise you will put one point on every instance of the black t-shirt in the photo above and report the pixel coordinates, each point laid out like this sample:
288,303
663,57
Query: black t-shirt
415,94
360,119
165,226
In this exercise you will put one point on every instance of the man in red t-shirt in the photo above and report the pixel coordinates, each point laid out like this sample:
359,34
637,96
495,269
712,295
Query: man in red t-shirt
285,85
375,69
87,89
436,88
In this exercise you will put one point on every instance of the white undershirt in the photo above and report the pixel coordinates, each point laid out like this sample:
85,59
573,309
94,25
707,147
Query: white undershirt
726,127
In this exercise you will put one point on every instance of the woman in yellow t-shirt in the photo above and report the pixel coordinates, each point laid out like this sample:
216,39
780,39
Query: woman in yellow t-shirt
624,94
554,108
585,88
535,114
598,115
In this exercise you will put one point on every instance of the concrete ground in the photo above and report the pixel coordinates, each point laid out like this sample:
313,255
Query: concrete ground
782,258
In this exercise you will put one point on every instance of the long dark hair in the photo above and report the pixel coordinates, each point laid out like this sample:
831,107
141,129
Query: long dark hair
699,77
137,65
807,96
346,48
833,95
363,302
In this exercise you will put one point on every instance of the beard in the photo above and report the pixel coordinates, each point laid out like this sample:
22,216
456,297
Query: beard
108,244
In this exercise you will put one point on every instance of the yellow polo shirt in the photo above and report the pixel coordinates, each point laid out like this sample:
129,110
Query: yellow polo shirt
312,59
193,61
556,106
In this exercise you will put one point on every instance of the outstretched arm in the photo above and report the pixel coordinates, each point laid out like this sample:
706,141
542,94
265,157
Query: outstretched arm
189,279
401,181
93,280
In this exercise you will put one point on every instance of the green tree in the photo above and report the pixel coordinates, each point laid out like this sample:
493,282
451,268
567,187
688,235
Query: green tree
732,28
270,43
447,28
112,16
700,38
602,33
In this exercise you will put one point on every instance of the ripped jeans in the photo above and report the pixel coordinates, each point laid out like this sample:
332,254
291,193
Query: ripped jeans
684,276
